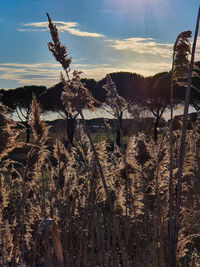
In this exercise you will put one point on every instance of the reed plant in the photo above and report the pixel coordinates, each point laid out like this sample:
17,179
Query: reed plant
95,204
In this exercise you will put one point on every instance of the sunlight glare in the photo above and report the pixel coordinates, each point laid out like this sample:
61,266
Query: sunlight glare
158,8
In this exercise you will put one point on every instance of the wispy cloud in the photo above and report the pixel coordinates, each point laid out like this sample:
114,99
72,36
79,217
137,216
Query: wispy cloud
140,55
143,46
70,27
145,69
28,74
48,73
34,66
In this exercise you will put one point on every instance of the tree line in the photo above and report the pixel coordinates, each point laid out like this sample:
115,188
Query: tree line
141,93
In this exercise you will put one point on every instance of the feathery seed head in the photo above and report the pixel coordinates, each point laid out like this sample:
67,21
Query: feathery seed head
116,102
40,130
60,152
38,153
58,50
185,34
142,153
182,50
75,95
8,134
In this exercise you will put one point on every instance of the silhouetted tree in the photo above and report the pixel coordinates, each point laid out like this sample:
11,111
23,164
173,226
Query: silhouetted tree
128,86
51,101
155,97
19,101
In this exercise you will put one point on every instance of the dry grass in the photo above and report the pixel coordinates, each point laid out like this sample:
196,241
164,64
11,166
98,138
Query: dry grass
71,195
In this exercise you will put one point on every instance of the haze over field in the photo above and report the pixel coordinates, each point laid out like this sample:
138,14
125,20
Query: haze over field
101,37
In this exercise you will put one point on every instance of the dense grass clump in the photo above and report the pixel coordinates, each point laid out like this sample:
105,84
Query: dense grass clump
60,213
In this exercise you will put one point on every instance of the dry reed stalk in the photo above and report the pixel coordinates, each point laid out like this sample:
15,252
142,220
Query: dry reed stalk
180,63
55,237
84,203
77,97
31,198
183,136
62,156
118,105
8,135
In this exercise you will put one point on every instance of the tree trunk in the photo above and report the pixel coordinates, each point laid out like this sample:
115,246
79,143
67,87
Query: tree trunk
119,123
70,129
28,132
155,131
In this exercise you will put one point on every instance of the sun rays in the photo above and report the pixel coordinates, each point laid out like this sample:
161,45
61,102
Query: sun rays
139,8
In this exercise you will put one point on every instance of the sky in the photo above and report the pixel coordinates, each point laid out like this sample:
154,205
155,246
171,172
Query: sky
101,36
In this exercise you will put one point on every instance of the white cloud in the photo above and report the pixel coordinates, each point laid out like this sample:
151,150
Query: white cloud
70,27
143,46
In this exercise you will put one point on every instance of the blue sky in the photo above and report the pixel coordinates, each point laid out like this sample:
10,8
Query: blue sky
102,36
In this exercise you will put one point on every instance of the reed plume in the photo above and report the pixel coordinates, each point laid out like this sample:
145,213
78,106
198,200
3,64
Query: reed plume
58,50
